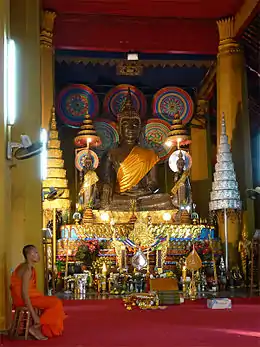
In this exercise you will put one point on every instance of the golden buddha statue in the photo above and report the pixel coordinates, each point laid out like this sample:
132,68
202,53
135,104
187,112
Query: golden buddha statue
181,191
88,189
129,171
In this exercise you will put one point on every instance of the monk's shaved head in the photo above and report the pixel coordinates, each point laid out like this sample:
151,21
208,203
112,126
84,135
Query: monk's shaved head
27,249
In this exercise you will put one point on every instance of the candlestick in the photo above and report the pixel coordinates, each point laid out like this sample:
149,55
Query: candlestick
123,257
67,254
184,273
104,270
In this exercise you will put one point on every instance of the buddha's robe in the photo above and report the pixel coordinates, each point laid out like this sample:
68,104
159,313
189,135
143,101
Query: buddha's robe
135,167
52,316
87,189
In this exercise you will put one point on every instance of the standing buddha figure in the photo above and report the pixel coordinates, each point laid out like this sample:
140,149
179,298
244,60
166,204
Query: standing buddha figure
181,191
130,170
88,189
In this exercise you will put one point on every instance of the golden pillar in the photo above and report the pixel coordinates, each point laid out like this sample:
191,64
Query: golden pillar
232,101
26,217
47,66
201,159
5,182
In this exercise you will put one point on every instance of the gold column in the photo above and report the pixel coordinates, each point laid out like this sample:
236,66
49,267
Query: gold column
232,100
200,170
26,175
47,66
5,182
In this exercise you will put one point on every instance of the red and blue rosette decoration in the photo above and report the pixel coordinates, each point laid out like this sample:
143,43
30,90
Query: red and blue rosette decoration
74,101
116,97
154,135
108,134
171,100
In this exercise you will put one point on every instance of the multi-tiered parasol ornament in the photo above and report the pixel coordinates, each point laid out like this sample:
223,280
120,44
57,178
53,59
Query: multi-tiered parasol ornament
56,174
87,136
178,134
225,196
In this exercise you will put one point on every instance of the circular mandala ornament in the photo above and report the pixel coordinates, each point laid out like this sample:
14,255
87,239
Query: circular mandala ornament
171,100
175,156
74,101
108,134
116,97
154,135
80,158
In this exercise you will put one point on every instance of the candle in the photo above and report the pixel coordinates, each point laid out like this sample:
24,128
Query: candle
123,257
184,273
104,270
159,258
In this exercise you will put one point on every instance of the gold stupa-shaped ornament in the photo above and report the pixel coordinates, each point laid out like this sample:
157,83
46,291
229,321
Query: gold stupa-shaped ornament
87,136
88,216
178,134
56,174
185,217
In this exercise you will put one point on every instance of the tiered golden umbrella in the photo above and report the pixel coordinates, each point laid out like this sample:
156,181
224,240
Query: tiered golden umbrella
178,134
56,174
87,136
56,180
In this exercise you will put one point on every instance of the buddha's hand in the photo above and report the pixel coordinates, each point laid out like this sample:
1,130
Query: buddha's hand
152,186
106,196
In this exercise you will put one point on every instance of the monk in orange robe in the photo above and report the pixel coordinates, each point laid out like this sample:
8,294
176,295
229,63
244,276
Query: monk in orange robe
24,293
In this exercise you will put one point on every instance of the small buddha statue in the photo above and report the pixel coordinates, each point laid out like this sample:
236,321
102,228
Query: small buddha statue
181,191
88,189
129,171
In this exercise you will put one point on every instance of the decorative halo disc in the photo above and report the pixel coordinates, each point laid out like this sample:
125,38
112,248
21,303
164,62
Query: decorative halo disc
175,156
80,158
108,134
115,99
154,135
170,100
74,101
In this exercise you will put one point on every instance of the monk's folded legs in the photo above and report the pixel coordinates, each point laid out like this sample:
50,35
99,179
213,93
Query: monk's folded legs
52,316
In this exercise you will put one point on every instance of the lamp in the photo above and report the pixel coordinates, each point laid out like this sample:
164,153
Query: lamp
178,133
10,89
10,81
167,217
44,154
132,56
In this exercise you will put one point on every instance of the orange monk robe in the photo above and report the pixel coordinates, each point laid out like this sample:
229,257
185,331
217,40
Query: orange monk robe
134,168
52,316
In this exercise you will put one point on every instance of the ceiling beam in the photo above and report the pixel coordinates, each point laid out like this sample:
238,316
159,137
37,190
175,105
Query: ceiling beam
245,15
207,85
109,33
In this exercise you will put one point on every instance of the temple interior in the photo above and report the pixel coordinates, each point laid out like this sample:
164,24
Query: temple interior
143,163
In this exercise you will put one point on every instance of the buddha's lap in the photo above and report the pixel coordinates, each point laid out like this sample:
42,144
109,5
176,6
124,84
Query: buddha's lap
158,201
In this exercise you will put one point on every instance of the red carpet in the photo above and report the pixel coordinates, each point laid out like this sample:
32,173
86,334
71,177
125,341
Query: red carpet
106,323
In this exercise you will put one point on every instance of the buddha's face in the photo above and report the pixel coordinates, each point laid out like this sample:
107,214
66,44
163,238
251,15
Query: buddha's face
180,164
88,164
130,129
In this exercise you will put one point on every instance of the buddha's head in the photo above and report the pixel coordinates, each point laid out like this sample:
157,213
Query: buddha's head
88,165
129,122
180,162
